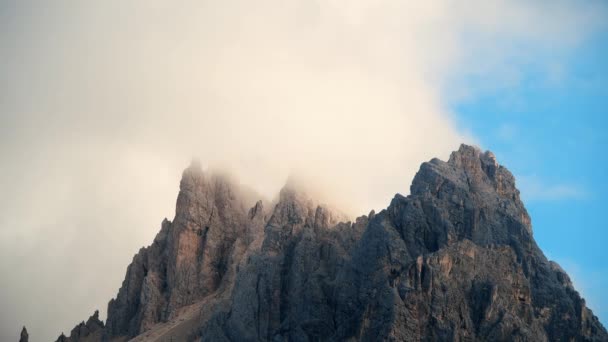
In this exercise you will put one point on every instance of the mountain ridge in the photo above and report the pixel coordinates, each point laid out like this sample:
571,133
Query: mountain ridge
454,260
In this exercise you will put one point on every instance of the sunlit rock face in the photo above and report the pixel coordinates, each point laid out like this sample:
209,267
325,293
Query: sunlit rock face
455,260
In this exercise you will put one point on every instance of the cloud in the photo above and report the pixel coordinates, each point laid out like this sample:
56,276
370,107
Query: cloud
535,189
103,103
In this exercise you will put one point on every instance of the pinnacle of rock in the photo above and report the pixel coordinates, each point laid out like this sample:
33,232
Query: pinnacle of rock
24,337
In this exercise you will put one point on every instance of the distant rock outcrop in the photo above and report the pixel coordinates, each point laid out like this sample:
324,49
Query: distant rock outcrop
24,337
455,260
92,330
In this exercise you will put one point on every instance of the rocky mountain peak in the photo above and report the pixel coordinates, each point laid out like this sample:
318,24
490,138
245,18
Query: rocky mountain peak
192,175
454,260
92,330
257,211
471,179
481,168
297,208
468,169
294,207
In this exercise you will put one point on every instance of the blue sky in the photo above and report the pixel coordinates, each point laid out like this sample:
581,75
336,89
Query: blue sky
550,130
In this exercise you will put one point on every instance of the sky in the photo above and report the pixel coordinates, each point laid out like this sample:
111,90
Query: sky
103,104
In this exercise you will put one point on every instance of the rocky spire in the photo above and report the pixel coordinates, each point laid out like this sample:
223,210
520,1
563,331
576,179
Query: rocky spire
472,179
24,335
90,331
63,338
191,256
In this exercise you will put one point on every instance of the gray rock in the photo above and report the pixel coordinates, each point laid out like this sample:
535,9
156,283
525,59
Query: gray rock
455,260
189,257
92,330
24,337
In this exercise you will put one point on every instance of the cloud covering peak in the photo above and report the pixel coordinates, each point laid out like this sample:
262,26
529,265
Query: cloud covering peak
102,104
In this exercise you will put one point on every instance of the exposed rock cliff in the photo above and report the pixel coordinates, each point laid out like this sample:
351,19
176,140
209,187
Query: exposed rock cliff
190,257
455,260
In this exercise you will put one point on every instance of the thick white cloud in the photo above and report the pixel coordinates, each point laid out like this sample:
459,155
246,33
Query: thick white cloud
102,104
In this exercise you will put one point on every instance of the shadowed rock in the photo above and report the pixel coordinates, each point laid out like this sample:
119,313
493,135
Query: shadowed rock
24,337
92,330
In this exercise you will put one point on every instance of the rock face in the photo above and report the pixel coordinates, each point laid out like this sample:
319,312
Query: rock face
92,330
25,337
190,257
455,260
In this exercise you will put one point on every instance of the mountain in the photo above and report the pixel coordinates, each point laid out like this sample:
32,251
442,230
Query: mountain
455,260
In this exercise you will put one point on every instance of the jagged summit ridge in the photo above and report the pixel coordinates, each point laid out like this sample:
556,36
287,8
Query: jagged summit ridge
454,260
92,330
468,169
